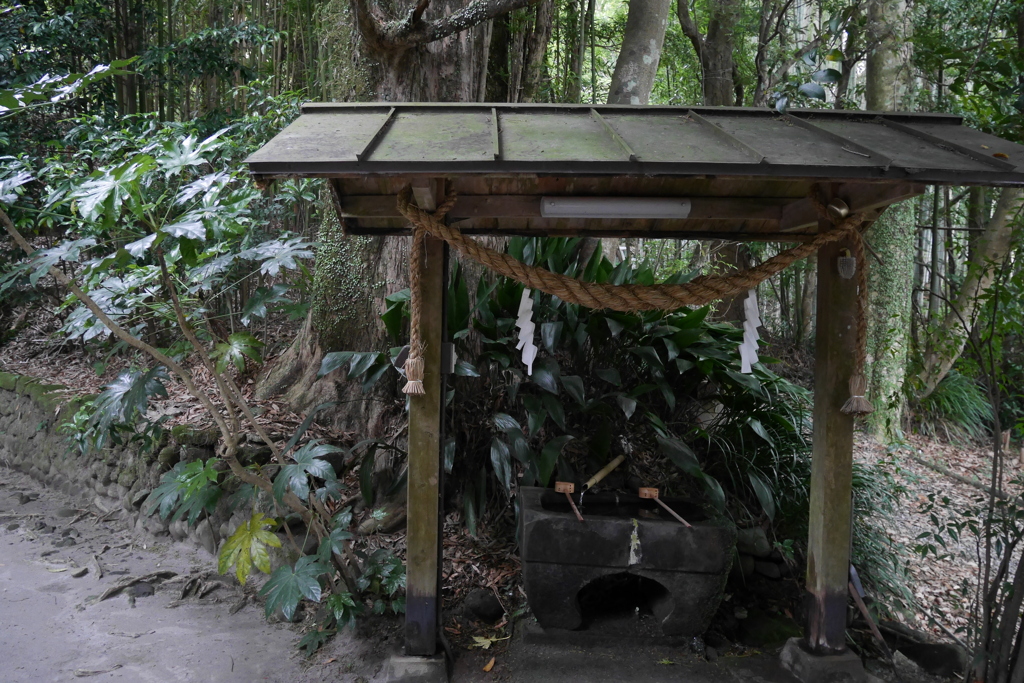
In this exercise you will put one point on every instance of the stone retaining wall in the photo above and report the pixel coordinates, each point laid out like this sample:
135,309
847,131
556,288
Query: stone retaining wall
114,482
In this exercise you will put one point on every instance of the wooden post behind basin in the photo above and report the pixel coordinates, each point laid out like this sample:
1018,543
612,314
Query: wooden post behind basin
828,545
423,540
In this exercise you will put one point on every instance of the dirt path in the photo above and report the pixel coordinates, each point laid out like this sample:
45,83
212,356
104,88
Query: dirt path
54,629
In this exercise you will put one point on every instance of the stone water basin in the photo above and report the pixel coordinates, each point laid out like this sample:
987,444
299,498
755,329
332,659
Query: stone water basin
678,572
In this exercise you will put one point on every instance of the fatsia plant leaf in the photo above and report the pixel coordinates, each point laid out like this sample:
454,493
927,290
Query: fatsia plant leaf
248,547
308,462
181,154
236,349
256,305
288,585
275,255
8,186
70,251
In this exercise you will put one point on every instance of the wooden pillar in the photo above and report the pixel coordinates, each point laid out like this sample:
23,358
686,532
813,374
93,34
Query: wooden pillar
423,540
828,545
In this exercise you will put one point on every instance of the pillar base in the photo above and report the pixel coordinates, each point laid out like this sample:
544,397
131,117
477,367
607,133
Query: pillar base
408,669
812,668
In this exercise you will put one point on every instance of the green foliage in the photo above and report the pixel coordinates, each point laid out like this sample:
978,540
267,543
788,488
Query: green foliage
957,409
880,560
187,490
315,639
344,609
235,350
247,547
308,461
383,578
117,416
49,89
288,585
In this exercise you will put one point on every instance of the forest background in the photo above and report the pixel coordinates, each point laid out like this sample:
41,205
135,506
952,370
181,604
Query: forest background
123,127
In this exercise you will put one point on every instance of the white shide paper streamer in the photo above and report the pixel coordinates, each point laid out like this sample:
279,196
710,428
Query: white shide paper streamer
526,330
751,321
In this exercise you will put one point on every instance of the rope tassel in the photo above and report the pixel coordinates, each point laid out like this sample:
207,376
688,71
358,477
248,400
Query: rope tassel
857,405
414,375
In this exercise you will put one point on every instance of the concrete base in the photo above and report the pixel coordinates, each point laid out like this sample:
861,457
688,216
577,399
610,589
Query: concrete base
812,668
406,669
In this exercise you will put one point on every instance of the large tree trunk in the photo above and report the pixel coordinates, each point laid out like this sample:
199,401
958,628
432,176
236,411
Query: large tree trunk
714,50
893,234
715,53
430,55
887,78
637,64
988,252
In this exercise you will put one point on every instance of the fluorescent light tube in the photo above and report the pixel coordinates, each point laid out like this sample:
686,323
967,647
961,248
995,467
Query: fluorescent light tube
614,207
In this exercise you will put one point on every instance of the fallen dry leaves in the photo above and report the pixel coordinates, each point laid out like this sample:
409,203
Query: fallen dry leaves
943,588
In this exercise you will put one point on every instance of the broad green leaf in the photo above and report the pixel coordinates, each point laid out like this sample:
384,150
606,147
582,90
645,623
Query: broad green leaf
812,90
549,457
763,493
333,361
189,226
545,374
649,354
680,455
288,585
549,333
247,547
536,414
761,431
574,387
610,375
626,403
140,248
504,422
315,639
256,305
826,76
501,461
308,461
555,409
714,491
344,608
235,350
464,368
8,195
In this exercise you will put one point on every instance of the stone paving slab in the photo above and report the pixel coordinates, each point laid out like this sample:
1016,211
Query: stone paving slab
605,661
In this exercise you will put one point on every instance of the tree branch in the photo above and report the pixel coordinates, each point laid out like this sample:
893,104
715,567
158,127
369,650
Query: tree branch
388,36
689,26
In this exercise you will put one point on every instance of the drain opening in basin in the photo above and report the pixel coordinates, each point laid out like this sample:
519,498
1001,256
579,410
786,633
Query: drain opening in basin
624,603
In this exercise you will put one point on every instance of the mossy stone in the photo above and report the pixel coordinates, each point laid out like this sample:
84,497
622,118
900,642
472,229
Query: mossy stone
169,456
189,436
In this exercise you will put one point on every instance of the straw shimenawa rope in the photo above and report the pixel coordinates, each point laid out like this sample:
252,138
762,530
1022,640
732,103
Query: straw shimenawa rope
627,298
414,364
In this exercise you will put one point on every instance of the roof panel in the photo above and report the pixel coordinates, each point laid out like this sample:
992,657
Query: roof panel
571,136
321,137
784,143
672,138
568,141
430,135
975,140
904,150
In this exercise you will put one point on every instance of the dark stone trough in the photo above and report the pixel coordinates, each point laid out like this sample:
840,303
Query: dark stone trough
569,566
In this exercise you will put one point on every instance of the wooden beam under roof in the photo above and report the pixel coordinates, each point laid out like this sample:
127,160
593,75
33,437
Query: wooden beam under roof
755,218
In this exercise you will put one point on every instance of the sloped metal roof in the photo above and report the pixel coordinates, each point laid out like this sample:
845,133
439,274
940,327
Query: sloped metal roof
346,140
